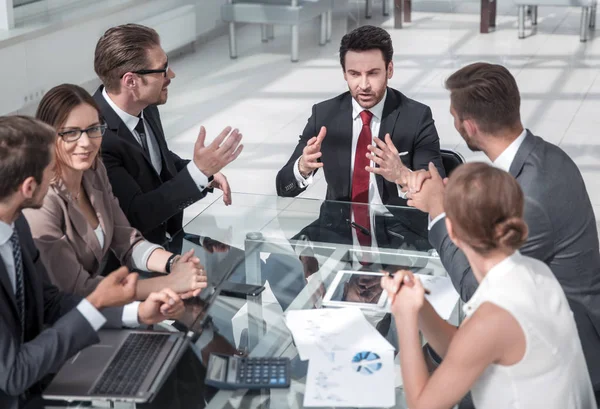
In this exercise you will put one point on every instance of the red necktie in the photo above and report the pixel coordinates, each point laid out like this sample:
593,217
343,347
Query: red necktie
360,180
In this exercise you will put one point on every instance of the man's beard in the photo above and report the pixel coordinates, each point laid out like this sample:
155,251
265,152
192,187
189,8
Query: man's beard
471,144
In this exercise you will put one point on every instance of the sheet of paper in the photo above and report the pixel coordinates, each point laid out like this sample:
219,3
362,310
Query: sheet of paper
332,330
357,378
443,297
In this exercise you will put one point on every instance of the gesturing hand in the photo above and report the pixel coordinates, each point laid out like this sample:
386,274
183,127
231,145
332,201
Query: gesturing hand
386,156
220,182
160,306
116,290
187,274
221,152
311,153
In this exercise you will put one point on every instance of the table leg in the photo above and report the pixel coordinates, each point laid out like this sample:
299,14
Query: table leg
256,325
484,22
407,10
493,6
398,13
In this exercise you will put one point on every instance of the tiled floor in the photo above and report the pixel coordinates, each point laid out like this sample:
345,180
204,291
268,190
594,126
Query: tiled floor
269,98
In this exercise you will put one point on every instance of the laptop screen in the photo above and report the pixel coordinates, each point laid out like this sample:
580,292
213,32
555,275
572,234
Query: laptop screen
220,264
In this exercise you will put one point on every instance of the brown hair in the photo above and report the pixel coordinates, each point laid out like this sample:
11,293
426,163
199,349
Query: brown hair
55,107
25,147
485,206
367,38
123,49
487,94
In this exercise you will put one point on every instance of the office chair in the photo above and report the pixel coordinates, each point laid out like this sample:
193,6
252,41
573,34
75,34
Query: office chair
451,160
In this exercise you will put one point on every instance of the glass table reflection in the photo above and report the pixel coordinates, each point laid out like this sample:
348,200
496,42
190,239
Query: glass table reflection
294,247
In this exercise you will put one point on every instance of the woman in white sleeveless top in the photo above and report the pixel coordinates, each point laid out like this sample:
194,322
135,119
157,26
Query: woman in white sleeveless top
518,346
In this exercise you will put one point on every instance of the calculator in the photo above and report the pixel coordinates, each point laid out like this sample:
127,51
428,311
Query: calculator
234,372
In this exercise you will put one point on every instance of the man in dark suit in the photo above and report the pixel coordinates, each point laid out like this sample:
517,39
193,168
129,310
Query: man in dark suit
41,327
350,125
485,103
152,183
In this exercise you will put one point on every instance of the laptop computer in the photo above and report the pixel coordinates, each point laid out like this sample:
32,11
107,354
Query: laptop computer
127,365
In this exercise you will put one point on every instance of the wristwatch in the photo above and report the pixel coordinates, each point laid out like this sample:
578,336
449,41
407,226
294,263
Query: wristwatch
170,262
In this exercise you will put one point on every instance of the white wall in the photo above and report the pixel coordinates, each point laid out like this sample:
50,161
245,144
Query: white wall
63,52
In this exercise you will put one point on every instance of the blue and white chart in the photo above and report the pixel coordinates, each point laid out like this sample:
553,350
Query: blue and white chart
366,363
357,379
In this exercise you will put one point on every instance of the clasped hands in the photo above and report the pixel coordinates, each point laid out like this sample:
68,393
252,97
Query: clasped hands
187,276
118,289
405,293
187,279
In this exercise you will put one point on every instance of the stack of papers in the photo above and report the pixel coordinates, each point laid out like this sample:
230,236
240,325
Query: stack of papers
350,363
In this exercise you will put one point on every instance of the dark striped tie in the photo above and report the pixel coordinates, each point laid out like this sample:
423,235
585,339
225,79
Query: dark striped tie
19,293
141,130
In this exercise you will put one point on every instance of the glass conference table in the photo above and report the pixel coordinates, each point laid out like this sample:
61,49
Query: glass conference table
294,247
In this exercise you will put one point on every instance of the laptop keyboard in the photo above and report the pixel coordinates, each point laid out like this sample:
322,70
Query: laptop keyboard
129,367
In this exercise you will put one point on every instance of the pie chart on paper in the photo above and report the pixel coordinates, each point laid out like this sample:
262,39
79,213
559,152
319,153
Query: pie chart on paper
366,363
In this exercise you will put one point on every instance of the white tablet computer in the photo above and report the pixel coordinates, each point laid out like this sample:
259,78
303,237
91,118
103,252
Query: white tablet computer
356,289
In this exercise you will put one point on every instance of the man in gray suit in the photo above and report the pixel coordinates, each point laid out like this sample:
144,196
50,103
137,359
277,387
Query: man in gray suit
485,104
40,328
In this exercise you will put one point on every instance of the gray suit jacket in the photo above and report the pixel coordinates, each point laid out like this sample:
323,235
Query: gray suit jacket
54,329
562,233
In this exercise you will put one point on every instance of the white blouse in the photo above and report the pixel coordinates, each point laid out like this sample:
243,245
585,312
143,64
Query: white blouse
553,373
100,235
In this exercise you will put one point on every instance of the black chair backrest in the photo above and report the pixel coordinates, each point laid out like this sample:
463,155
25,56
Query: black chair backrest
451,160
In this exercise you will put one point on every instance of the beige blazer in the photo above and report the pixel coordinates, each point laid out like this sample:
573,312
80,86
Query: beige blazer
67,243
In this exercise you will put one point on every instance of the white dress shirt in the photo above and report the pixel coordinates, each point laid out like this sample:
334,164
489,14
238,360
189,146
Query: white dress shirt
504,162
99,235
131,122
90,313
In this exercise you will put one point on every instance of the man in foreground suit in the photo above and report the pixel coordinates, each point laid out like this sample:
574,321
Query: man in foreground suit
152,183
340,131
485,104
40,328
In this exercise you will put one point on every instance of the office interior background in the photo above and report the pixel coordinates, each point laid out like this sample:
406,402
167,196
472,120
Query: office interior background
47,42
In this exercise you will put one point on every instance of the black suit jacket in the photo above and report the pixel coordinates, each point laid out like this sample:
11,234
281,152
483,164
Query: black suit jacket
54,332
153,203
408,122
405,228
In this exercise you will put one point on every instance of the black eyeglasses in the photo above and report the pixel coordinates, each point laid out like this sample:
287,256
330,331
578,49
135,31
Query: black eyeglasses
73,135
162,71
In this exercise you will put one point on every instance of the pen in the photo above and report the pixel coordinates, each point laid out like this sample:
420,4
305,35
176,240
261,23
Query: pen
391,275
357,226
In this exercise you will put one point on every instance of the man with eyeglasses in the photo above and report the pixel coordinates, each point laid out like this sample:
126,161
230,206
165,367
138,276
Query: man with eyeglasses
152,183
